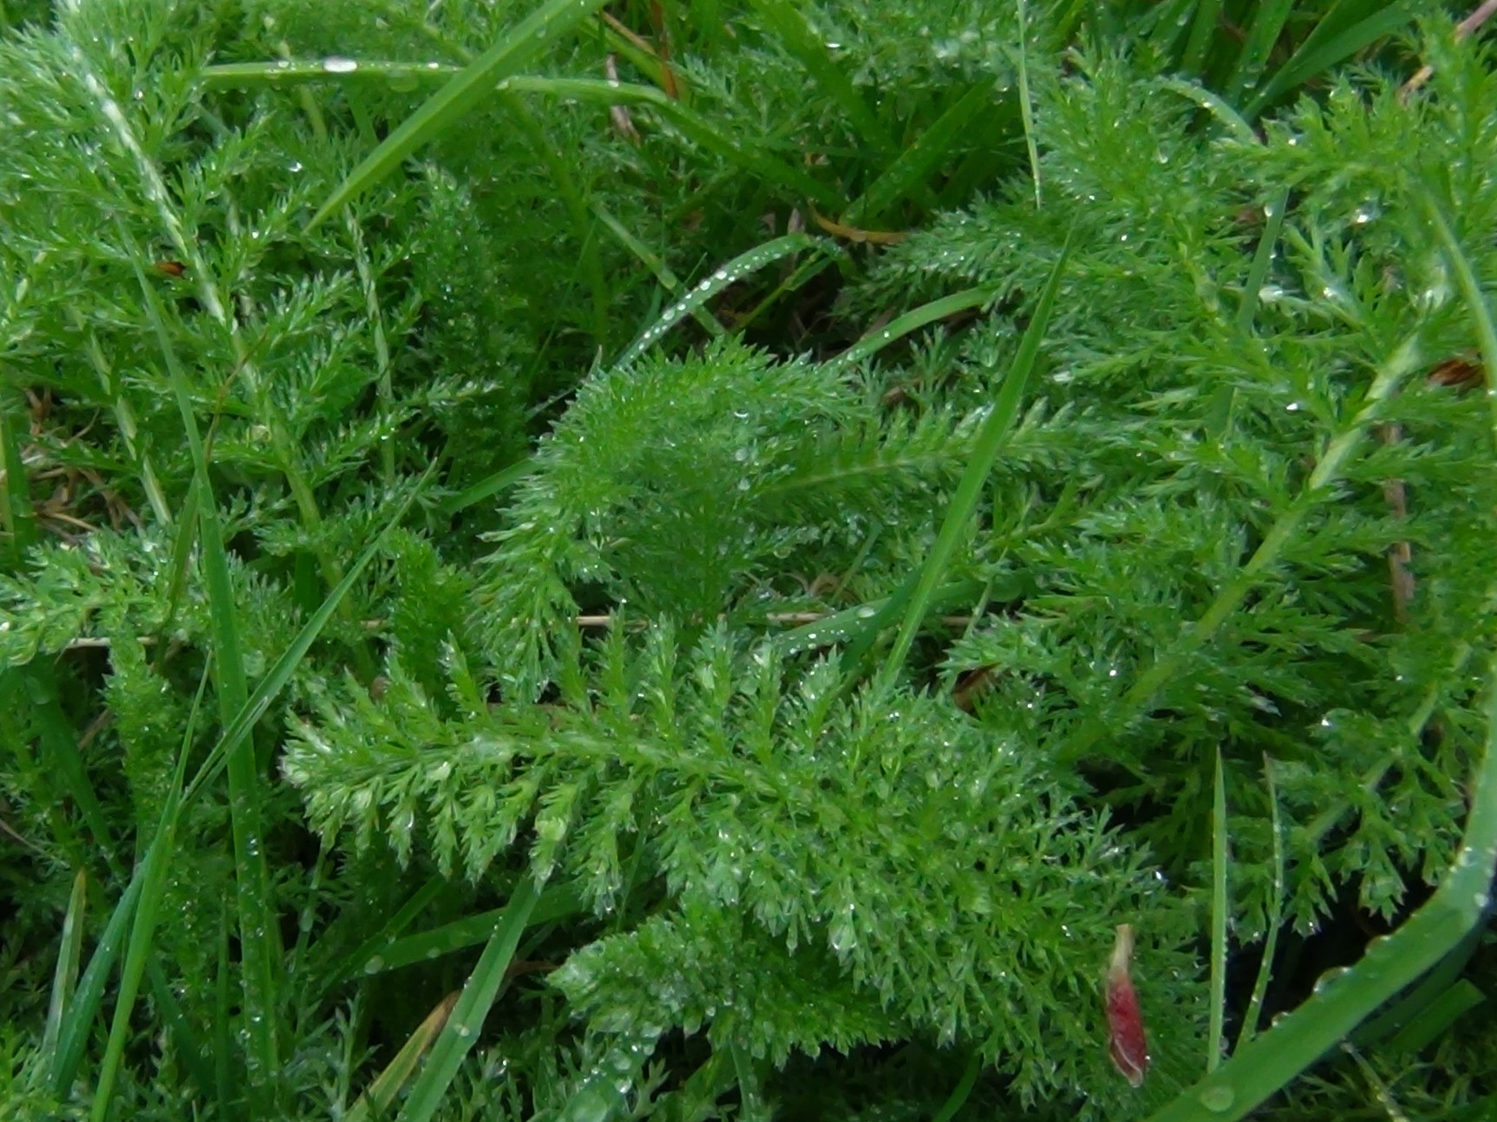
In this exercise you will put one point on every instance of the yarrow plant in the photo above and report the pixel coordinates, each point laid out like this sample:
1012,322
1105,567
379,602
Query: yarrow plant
583,560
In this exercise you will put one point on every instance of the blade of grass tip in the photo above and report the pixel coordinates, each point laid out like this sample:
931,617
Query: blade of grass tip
908,172
1412,1005
1273,215
460,1032
1342,1000
375,1102
730,273
984,455
176,585
1476,299
65,976
58,744
961,1092
1026,109
912,321
1218,917
755,156
1269,18
276,679
1218,108
367,951
465,90
152,874
1275,913
1320,52
78,1019
668,279
186,1040
259,934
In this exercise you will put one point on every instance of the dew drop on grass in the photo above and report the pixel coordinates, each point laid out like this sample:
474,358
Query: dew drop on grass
1218,1098
374,965
338,64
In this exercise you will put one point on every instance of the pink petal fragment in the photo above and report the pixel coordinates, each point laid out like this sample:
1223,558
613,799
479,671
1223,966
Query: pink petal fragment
1125,1024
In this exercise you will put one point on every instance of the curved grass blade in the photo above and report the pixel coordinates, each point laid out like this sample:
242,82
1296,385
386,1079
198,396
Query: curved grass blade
423,946
1218,1011
460,1032
1342,1001
730,273
912,321
300,72
985,451
461,93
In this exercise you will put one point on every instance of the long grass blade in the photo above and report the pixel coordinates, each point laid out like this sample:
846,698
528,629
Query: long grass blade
152,878
460,1032
729,273
1324,48
1219,906
985,451
461,93
423,946
1343,1001
258,932
1026,108
1275,914
1268,24
1476,299
65,975
907,174
898,328
376,1101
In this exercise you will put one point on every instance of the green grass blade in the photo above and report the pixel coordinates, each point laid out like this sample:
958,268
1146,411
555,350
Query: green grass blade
961,1092
77,1021
423,946
1342,1001
985,451
1273,215
1436,1018
65,976
1326,47
151,875
290,73
912,321
1235,123
460,1032
730,273
1275,913
805,46
487,488
1026,109
652,261
907,174
1476,299
369,949
1269,18
1317,489
276,679
1201,28
259,934
1218,1010
376,1101
461,93
17,517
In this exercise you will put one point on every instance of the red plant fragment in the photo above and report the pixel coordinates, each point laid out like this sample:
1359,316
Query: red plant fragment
1125,1024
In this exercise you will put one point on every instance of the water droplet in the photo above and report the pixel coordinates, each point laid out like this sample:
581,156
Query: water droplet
1218,1098
374,965
338,64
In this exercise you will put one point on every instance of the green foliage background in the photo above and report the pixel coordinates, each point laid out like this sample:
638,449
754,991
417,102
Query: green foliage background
771,880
